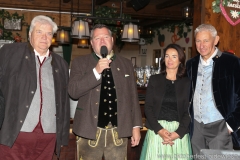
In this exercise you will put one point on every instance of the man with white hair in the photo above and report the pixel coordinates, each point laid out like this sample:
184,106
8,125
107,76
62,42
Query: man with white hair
34,84
215,93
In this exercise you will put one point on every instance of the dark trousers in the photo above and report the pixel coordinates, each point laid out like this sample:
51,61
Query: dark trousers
210,136
107,144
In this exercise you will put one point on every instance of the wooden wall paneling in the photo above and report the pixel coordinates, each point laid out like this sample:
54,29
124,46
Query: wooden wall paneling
197,20
150,11
229,35
50,5
29,15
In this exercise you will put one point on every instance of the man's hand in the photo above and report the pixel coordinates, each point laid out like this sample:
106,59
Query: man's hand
136,136
102,64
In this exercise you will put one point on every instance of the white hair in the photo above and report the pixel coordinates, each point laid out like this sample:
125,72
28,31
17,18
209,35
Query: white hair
206,27
43,20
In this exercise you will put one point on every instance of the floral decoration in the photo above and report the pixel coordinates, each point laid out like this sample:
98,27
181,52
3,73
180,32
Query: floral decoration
7,34
216,5
235,14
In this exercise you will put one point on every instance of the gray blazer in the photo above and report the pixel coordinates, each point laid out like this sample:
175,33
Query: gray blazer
18,82
84,86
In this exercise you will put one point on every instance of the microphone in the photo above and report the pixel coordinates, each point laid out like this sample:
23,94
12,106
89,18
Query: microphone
104,52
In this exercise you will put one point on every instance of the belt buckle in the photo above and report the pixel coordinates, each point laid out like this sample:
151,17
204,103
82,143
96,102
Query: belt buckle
109,126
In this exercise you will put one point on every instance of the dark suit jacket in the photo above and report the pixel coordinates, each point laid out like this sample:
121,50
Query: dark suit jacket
18,82
154,98
84,86
2,108
225,86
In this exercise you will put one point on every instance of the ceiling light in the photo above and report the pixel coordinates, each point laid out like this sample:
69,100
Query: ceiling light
62,35
130,33
187,12
80,29
83,43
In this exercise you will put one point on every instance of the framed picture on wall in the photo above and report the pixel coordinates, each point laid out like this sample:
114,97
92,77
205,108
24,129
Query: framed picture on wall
189,55
184,49
143,50
156,57
12,24
1,33
133,59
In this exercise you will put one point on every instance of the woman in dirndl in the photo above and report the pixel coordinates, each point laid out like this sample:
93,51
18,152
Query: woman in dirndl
166,110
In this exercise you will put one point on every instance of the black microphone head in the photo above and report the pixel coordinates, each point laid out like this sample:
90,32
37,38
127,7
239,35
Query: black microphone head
104,51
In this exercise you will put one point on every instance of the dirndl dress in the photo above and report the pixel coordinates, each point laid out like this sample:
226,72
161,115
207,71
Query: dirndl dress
153,149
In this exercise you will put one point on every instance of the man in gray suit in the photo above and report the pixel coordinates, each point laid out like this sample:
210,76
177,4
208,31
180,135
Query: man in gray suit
34,84
108,109
215,93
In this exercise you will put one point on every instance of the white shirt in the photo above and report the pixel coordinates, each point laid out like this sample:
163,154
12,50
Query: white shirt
41,58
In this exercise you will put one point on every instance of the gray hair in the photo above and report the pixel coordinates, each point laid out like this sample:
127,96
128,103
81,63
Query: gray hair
206,27
43,20
99,26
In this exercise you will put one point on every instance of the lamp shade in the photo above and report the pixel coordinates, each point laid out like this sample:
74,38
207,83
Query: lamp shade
130,33
83,43
63,37
187,12
54,43
80,29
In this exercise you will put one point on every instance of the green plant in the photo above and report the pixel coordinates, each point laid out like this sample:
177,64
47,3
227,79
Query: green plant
114,26
171,28
216,5
7,34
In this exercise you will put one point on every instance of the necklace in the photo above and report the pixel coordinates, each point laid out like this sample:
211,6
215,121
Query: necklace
170,79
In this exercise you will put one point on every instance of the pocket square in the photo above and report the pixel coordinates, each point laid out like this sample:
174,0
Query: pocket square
126,75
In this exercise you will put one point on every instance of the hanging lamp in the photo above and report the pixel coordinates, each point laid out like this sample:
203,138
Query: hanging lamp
83,43
130,33
80,28
62,34
187,12
54,43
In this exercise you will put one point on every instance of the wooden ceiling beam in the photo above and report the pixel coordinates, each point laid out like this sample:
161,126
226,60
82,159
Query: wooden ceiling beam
66,1
171,3
150,12
100,2
145,23
128,4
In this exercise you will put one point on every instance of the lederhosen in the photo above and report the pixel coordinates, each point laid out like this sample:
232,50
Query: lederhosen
107,143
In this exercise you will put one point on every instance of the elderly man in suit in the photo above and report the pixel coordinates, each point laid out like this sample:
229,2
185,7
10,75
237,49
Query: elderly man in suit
108,109
34,84
215,93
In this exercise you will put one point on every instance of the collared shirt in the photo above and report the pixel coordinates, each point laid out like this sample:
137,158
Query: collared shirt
97,75
207,63
41,58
